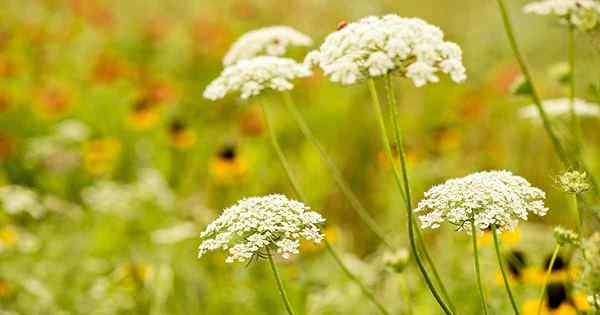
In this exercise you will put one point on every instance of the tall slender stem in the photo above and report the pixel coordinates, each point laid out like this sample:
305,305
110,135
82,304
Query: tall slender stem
343,186
408,198
284,162
405,291
286,301
546,277
503,270
365,290
478,268
397,176
558,146
575,125
296,187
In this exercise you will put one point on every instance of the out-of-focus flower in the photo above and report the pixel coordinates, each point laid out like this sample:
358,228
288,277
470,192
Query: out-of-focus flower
155,29
268,41
108,68
561,270
583,14
150,188
5,288
254,227
144,115
508,238
182,136
252,123
503,77
15,200
99,155
565,236
7,67
397,261
211,37
158,92
134,274
589,277
53,102
487,198
519,270
175,233
558,301
227,165
560,107
573,182
7,144
250,77
8,237
4,102
375,46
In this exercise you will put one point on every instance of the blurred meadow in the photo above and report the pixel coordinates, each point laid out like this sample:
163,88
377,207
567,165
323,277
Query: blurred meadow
112,162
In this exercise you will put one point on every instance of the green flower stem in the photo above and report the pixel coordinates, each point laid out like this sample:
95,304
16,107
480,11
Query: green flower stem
397,176
575,124
503,270
478,268
558,146
546,277
365,290
286,301
296,187
343,186
405,291
400,145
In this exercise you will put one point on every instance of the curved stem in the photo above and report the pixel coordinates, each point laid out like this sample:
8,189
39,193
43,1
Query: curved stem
365,290
294,182
546,277
558,146
408,198
478,268
502,269
282,160
286,301
343,186
397,176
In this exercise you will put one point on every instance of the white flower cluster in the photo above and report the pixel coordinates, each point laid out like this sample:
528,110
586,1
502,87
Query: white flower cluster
583,14
374,46
252,76
559,107
489,198
268,41
150,188
59,150
254,225
16,199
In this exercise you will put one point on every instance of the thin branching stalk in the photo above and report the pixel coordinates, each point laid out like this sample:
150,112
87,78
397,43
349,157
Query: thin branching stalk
478,268
397,177
503,270
558,146
546,277
391,97
286,301
342,184
296,187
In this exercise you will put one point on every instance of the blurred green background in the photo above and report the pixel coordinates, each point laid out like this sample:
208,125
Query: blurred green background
102,118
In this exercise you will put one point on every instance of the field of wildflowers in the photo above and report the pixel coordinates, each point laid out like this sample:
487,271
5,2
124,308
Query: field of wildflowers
299,157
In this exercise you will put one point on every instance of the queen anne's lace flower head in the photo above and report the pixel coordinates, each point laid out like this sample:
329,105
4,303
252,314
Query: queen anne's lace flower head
573,182
254,225
375,46
268,41
490,198
252,76
583,14
561,106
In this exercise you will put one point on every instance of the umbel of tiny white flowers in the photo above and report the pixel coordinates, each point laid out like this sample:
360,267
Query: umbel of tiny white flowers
268,41
375,46
254,227
397,261
559,107
489,198
251,76
583,14
573,182
565,236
